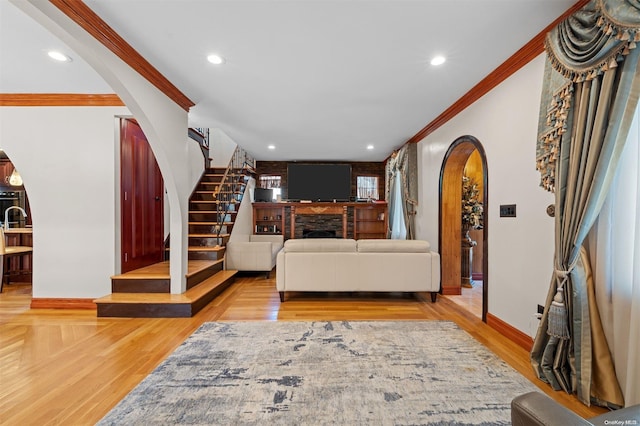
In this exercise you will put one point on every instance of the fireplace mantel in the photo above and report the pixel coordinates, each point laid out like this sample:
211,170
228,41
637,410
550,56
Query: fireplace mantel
319,208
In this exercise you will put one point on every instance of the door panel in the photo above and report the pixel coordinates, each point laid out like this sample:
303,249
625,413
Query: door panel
141,200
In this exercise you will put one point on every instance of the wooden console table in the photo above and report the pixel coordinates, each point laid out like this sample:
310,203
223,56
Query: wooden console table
319,208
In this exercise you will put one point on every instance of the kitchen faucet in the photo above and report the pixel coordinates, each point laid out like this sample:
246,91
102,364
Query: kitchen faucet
6,215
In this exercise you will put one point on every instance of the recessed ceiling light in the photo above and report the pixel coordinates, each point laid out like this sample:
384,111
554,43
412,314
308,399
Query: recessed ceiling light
271,147
58,56
369,147
215,59
438,60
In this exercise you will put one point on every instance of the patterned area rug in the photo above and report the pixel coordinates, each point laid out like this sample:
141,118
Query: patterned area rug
315,373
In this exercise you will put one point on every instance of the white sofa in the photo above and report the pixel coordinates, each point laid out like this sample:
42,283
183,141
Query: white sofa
334,265
253,252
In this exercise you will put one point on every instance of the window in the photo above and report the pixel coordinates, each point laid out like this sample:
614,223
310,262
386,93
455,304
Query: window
271,182
367,187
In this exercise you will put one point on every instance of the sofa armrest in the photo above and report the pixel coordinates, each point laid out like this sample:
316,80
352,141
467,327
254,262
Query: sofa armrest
537,409
623,416
250,256
275,239
435,270
280,261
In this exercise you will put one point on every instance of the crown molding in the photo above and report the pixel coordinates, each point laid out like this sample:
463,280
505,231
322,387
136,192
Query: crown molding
518,60
86,18
58,99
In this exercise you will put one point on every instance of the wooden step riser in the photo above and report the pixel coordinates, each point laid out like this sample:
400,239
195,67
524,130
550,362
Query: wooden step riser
206,255
144,310
214,185
123,285
161,310
219,173
205,241
223,198
208,229
196,205
209,216
202,275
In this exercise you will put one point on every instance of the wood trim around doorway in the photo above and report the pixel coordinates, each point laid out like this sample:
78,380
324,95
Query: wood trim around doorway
449,218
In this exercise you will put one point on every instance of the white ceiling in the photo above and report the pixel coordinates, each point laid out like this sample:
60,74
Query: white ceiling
319,79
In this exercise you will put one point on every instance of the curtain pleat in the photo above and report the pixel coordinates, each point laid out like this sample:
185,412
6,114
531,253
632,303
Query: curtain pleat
601,64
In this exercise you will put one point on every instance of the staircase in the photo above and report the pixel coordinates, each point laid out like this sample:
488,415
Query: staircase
212,211
145,292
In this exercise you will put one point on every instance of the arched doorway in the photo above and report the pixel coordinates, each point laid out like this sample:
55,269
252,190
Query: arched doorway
17,260
450,211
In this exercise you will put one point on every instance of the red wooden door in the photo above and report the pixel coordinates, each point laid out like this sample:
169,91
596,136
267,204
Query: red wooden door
141,200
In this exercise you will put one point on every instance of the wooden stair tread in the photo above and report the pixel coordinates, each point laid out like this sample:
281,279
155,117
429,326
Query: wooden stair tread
161,270
202,235
206,248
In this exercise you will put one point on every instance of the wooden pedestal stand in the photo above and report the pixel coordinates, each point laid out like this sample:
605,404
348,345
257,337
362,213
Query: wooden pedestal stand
467,258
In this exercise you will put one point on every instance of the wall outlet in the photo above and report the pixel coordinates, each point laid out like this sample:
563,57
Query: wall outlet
507,210
540,309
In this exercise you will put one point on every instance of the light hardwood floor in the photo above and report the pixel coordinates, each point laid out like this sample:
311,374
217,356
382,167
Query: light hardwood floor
70,367
470,299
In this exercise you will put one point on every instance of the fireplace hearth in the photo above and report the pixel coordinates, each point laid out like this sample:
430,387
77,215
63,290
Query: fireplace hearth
318,233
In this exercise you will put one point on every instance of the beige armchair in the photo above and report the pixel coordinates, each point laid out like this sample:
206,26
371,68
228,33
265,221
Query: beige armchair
253,253
537,409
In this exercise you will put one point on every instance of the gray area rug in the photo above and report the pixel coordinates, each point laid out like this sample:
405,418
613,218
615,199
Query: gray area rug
316,373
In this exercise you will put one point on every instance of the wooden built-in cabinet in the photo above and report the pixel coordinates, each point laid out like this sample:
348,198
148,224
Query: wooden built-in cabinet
17,257
268,218
370,221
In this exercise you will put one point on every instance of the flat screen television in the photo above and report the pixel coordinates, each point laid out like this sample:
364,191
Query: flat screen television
264,195
319,182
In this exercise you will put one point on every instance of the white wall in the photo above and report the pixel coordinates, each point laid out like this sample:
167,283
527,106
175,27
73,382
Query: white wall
163,122
67,159
243,225
520,249
196,162
221,148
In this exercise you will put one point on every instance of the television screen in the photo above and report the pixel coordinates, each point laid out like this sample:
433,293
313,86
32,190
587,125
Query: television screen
319,182
262,195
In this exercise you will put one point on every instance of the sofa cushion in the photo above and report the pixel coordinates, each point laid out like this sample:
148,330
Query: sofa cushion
393,246
320,245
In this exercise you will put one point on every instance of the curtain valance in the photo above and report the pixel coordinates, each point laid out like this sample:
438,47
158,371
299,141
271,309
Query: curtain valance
585,45
594,39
